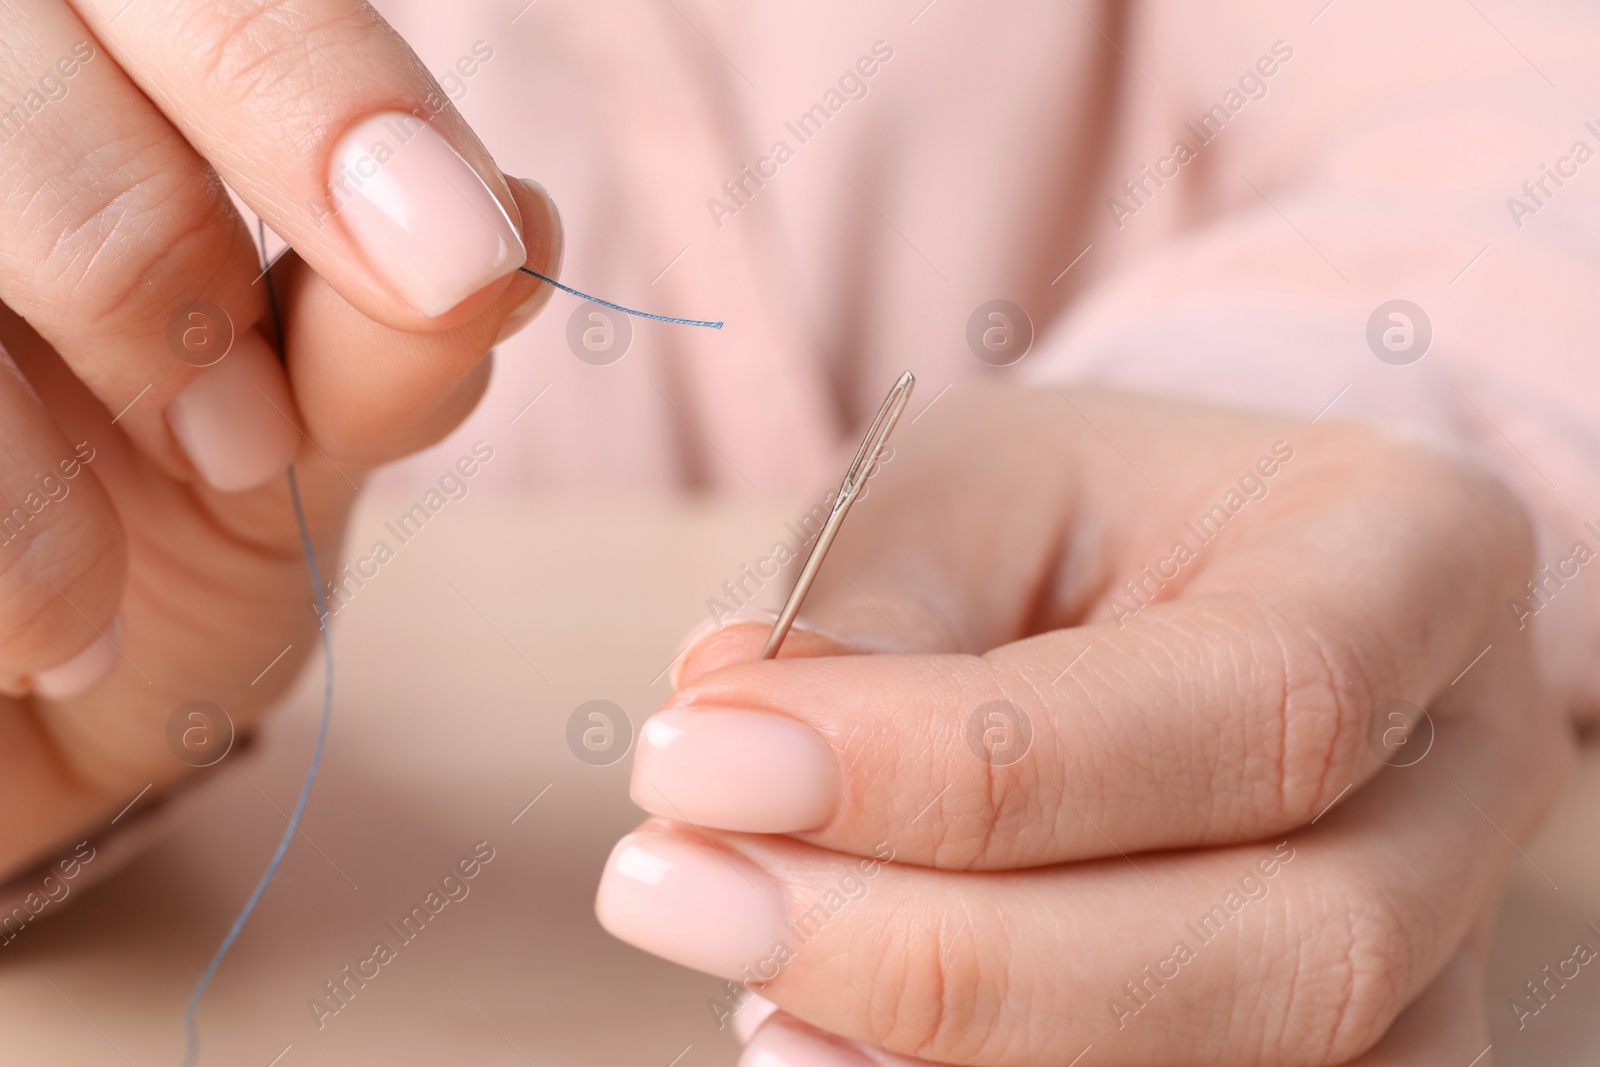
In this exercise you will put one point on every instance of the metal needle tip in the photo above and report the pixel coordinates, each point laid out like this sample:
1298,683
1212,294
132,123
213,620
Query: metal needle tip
855,479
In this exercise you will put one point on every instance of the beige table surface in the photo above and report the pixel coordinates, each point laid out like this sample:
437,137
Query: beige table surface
458,668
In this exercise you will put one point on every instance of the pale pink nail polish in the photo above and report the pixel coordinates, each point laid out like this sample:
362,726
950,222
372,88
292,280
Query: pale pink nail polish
524,314
424,219
685,901
234,420
783,1044
754,1011
85,670
704,629
761,616
751,771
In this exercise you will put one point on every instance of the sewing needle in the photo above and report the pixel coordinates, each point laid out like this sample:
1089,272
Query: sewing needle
855,479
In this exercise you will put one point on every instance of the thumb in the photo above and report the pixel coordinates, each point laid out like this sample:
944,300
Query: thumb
952,548
716,644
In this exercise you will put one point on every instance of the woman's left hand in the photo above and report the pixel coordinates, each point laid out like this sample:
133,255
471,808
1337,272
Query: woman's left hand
1113,783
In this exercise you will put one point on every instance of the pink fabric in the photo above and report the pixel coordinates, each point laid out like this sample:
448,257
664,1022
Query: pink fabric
1375,161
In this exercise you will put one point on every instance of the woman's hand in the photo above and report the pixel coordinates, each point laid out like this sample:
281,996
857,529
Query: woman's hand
1116,777
148,555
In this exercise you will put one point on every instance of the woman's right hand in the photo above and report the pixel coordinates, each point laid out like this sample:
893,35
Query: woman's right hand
143,502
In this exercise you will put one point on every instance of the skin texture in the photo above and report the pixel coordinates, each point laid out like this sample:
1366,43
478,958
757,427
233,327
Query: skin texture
1196,736
112,217
1215,724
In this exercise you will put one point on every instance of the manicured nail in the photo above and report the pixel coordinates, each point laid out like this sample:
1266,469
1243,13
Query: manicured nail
425,220
530,308
752,771
233,421
784,1044
86,670
705,628
763,617
690,903
752,1012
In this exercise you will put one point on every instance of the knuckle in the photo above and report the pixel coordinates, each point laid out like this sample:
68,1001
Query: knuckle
116,249
246,49
1466,504
998,805
1319,711
259,47
74,563
933,994
1352,970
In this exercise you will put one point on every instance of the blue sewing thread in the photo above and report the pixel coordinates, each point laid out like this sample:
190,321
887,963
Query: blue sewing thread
190,1024
619,307
191,1029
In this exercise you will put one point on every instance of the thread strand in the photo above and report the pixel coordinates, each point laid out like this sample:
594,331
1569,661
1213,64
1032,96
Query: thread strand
191,1025
618,307
191,1012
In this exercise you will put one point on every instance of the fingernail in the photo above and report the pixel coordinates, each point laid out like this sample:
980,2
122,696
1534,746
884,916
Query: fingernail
704,629
425,220
233,421
689,903
530,308
751,771
785,1045
86,670
763,616
749,1015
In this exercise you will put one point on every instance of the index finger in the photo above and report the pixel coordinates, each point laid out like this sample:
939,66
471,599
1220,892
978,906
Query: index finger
330,128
